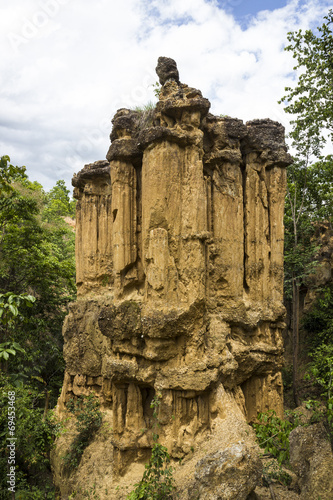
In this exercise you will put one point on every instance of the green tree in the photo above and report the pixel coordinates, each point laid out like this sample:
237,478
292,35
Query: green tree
309,192
311,100
8,173
37,258
309,200
36,264
318,321
22,414
9,312
58,203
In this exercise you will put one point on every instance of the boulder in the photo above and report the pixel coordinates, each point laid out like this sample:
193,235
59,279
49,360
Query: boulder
311,458
167,68
229,474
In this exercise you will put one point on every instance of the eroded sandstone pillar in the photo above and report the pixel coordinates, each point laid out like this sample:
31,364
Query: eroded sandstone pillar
93,239
180,274
124,214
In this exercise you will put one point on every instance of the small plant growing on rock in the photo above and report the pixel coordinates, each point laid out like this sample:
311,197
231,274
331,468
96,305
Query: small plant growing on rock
88,421
146,115
273,434
157,482
273,471
157,87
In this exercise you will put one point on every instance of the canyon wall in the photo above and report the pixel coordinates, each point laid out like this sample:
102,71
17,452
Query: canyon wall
179,254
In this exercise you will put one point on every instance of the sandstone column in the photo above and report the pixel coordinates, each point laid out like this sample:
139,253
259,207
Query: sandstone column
179,252
93,245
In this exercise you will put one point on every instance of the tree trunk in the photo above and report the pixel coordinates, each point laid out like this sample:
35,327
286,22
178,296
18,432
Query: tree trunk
295,314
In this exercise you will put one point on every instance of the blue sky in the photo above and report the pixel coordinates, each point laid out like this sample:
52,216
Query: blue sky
66,66
244,10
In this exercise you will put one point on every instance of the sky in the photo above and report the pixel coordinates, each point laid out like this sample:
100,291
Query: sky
66,66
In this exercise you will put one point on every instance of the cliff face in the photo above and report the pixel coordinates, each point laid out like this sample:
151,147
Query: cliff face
179,251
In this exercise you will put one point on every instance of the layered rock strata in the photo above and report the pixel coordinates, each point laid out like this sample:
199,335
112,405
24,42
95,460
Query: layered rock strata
179,251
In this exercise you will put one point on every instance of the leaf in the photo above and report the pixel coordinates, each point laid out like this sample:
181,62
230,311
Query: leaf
13,309
2,346
30,302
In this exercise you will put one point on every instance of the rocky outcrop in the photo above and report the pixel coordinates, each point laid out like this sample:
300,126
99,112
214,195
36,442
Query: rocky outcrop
323,272
312,459
228,474
179,248
166,69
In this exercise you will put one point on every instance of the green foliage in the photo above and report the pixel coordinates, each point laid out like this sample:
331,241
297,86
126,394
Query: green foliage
9,312
157,89
36,261
35,255
88,421
309,200
310,185
319,190
323,414
157,482
37,280
10,348
317,410
146,108
273,434
58,203
273,471
322,365
8,174
9,304
146,116
311,101
318,322
34,435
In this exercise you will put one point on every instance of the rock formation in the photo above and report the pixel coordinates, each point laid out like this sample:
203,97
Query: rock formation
312,459
179,254
323,273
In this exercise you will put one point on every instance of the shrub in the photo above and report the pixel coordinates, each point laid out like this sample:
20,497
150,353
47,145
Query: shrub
88,421
273,434
34,433
157,482
318,322
274,472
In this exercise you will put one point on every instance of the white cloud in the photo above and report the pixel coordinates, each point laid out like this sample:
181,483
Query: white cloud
67,65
